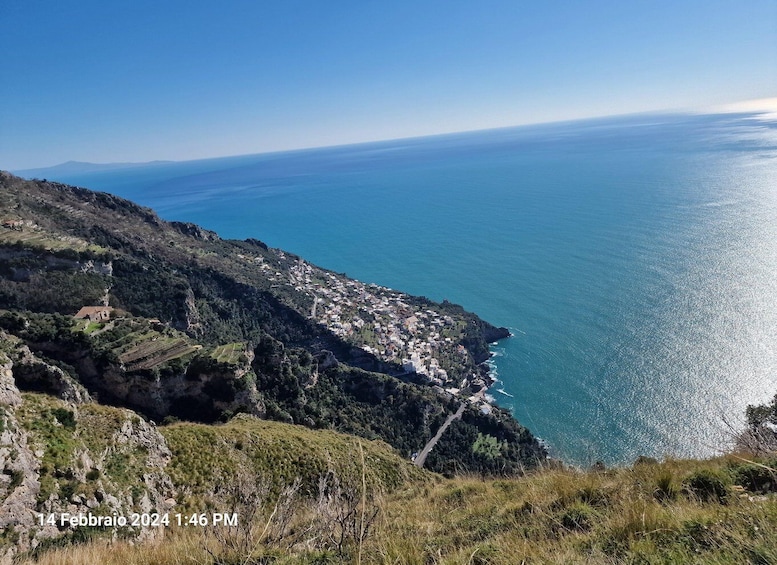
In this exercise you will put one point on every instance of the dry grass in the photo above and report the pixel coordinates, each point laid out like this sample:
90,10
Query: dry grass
175,548
564,516
644,514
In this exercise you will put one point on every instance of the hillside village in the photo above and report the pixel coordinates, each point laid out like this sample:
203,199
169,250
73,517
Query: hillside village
415,339
384,323
378,320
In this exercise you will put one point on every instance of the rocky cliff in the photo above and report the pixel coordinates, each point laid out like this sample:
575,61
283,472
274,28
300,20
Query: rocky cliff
70,457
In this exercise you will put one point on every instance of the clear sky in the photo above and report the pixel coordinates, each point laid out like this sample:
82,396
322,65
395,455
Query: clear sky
107,81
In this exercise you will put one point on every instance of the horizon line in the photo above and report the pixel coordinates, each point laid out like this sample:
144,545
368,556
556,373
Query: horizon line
756,106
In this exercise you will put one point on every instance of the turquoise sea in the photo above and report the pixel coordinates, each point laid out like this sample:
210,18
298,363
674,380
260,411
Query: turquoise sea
634,259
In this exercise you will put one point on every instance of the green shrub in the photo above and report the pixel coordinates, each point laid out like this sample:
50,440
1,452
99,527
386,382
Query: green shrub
65,417
487,445
756,478
708,485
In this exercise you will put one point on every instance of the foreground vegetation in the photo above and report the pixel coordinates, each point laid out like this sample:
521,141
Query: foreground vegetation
707,512
316,496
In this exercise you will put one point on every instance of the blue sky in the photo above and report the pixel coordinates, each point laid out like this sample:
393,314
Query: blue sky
136,81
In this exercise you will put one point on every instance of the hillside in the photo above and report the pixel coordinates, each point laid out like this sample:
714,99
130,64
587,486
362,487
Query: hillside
64,458
717,512
113,321
203,328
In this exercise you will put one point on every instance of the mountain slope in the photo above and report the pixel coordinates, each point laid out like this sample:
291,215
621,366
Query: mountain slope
203,328
76,457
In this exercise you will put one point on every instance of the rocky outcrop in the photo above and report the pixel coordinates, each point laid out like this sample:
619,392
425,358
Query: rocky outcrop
195,231
193,325
492,334
200,389
326,360
33,374
204,391
120,471
49,261
19,484
30,373
60,456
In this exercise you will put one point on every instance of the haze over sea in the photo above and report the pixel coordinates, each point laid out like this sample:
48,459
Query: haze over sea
634,259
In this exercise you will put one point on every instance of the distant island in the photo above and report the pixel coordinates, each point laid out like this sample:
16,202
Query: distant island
79,167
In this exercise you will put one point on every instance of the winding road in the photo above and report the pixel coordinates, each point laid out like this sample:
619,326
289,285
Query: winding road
421,457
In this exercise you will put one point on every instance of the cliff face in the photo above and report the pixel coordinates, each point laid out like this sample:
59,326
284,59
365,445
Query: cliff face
70,456
33,374
198,389
19,482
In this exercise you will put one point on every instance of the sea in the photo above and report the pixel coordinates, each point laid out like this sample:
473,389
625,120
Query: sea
634,259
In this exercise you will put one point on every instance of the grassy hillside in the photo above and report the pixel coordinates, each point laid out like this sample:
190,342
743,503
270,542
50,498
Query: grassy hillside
64,434
206,457
721,511
104,461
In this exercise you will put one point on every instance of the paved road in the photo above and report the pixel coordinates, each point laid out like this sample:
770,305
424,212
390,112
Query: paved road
421,457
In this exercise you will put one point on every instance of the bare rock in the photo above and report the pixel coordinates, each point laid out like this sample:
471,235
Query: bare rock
20,485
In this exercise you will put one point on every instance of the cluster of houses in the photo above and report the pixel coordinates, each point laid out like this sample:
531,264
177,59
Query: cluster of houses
381,321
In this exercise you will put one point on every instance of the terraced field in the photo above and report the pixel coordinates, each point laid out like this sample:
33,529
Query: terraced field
139,347
34,236
150,354
230,353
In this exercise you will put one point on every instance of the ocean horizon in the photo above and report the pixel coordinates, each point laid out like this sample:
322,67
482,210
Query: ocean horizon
634,259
